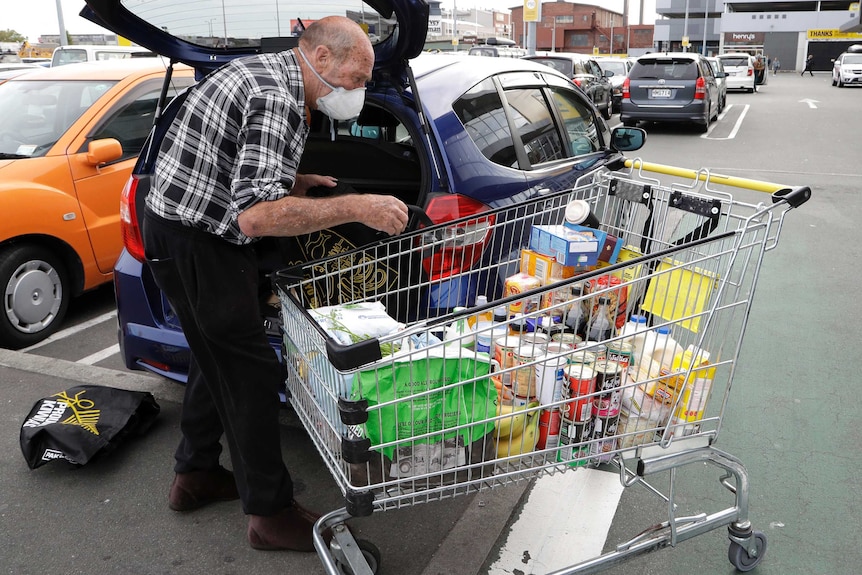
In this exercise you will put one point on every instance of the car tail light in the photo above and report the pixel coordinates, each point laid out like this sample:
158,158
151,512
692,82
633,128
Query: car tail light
700,89
626,93
458,247
129,220
577,82
750,71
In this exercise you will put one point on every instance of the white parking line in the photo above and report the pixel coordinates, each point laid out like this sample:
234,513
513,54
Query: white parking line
564,521
72,330
736,126
100,355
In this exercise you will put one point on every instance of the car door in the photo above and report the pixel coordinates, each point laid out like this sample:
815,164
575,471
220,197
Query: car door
128,119
603,85
557,136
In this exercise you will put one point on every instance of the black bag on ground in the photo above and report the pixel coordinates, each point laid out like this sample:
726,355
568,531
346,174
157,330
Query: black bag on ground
83,422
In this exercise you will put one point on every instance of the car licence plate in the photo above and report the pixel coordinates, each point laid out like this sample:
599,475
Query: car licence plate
661,93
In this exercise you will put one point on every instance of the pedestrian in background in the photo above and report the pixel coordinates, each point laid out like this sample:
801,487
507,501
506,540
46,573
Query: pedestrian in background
776,65
808,63
219,186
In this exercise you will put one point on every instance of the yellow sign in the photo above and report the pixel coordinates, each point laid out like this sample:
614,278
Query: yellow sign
833,34
123,41
454,41
532,11
678,291
595,50
854,7
685,41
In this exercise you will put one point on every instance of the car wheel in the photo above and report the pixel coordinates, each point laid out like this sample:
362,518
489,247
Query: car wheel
840,82
704,126
606,111
36,295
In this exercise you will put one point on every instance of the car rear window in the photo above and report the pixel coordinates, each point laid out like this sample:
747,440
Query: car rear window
664,68
561,65
735,61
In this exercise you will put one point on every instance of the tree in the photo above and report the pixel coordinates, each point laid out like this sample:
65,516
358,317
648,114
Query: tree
10,35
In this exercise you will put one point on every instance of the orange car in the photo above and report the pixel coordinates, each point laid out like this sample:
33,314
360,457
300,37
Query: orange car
69,137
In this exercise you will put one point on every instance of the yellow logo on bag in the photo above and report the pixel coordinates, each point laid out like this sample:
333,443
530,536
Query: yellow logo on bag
83,414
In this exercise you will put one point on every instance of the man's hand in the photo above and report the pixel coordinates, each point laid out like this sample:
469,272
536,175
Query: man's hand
384,213
304,182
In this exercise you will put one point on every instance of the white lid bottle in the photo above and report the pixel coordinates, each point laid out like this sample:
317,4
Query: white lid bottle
634,332
664,349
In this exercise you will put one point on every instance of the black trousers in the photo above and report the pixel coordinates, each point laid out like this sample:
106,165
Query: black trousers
234,375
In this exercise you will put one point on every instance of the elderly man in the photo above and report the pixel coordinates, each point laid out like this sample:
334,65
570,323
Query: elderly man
224,177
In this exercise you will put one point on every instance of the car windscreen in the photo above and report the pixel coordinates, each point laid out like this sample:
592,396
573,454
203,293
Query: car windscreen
33,115
734,61
618,68
69,56
853,59
664,68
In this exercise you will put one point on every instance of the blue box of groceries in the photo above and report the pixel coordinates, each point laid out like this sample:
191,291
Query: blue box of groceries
610,244
567,246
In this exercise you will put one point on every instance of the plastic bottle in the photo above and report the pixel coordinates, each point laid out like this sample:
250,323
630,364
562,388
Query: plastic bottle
664,349
634,332
576,315
602,323
487,315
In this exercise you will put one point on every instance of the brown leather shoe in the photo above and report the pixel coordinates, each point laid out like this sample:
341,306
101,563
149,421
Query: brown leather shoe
193,490
288,530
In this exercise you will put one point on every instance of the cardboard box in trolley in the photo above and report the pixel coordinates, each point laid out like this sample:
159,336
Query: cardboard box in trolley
568,247
544,267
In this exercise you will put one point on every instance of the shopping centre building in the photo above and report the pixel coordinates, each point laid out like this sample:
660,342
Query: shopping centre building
788,30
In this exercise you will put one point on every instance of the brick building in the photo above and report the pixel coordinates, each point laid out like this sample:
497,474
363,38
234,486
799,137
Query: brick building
569,27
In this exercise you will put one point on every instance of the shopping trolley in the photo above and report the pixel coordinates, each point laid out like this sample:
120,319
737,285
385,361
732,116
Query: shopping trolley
428,404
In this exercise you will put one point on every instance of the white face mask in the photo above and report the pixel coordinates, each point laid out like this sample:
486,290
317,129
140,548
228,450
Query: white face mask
339,104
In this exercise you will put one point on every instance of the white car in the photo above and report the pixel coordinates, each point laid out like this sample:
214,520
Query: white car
739,68
847,69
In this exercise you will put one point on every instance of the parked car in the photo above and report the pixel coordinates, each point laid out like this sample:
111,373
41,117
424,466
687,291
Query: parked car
721,80
496,131
847,67
619,68
69,137
497,51
585,72
10,66
77,53
739,68
670,87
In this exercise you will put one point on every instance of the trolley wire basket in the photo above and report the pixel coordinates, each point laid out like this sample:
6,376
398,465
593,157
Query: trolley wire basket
409,402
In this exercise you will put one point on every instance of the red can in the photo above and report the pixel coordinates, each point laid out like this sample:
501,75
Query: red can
582,382
549,428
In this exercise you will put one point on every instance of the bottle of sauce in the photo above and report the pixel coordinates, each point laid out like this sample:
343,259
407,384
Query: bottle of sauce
601,327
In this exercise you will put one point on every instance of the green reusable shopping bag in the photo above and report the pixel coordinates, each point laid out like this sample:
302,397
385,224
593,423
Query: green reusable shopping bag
411,414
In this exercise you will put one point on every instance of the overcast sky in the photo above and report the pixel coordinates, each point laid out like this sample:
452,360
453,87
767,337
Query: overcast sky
33,18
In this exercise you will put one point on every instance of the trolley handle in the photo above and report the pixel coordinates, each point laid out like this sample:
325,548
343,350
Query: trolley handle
793,196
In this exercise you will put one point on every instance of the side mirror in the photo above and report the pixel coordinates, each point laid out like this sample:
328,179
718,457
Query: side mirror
103,151
628,139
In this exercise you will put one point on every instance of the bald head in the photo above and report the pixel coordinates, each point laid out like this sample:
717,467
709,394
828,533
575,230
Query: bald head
342,36
338,50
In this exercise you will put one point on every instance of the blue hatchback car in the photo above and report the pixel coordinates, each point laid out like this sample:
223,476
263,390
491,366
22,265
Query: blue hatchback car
453,136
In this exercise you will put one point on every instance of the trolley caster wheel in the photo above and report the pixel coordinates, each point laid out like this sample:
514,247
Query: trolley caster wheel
371,554
739,557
